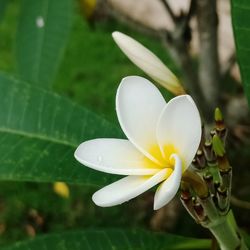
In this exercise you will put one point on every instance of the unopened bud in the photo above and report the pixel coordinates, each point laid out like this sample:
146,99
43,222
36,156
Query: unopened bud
222,198
148,62
222,133
218,115
201,160
226,176
208,177
199,211
185,191
213,132
218,146
209,153
197,183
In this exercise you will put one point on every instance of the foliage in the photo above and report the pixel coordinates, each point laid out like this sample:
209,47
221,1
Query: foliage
40,129
39,124
41,38
111,239
241,25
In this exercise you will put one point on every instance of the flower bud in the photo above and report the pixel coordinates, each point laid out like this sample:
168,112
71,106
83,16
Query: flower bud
148,62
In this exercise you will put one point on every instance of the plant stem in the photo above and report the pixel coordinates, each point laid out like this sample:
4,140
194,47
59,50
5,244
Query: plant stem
225,231
209,72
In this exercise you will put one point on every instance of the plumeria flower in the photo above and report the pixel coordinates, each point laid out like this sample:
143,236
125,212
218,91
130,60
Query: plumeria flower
162,141
148,62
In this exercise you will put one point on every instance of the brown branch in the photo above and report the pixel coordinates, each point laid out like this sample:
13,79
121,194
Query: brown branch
209,72
169,10
132,23
179,52
225,69
191,11
240,203
176,43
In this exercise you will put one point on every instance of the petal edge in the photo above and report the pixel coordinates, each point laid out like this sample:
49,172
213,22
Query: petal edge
114,156
138,105
167,190
126,189
179,125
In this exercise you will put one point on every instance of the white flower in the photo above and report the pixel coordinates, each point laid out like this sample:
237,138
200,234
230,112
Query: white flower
162,141
148,62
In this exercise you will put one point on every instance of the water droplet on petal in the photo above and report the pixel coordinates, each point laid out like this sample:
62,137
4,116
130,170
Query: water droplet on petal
99,159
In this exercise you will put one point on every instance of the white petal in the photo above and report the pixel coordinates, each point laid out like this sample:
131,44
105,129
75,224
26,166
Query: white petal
167,190
138,105
126,189
115,156
180,126
148,62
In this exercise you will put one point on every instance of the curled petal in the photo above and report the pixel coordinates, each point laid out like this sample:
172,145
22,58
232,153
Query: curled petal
127,188
115,156
179,126
167,190
138,105
148,62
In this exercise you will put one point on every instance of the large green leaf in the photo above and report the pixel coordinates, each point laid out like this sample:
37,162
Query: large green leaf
41,38
241,25
39,132
111,240
3,6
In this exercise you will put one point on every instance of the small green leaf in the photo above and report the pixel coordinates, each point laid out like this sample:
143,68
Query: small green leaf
39,132
218,117
41,38
218,146
111,240
241,25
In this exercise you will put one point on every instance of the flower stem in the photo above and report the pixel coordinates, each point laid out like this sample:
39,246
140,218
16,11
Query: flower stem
225,230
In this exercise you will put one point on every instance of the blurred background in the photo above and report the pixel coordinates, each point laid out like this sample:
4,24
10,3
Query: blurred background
90,71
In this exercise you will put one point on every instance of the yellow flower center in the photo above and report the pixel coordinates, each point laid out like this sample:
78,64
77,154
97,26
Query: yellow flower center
165,160
168,151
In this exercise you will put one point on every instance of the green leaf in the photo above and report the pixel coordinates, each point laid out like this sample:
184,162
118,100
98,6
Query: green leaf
3,6
246,238
241,26
41,38
111,239
39,132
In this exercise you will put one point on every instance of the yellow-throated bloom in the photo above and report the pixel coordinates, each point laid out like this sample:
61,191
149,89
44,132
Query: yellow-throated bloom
147,61
162,141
